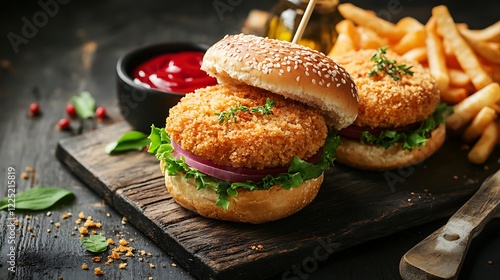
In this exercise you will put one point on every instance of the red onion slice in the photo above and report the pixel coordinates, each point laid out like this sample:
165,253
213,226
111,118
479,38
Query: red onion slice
228,173
354,131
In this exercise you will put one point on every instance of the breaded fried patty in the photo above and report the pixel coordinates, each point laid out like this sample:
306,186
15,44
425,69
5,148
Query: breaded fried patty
384,102
254,140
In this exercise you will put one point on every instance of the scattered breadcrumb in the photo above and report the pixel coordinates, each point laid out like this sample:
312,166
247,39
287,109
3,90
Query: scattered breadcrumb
174,264
98,271
81,215
85,266
110,241
66,215
57,225
490,262
49,213
123,242
83,230
25,176
257,247
115,255
96,259
122,265
151,265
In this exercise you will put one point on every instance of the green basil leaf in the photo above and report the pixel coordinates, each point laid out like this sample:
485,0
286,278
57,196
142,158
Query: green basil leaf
132,140
38,198
84,105
95,243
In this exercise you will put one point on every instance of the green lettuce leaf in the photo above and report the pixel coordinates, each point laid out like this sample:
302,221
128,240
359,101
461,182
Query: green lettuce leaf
410,139
298,172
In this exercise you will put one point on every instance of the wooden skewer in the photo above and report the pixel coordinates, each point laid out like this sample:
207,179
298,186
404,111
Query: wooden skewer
304,21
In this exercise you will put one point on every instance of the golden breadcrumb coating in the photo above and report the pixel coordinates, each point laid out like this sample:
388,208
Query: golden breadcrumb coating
384,102
254,140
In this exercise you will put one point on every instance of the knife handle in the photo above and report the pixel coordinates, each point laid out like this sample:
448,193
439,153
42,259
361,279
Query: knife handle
441,254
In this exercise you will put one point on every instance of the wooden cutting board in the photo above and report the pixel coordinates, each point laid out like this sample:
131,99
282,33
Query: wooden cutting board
352,207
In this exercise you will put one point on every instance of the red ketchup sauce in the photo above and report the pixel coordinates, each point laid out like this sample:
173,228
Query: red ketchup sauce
175,72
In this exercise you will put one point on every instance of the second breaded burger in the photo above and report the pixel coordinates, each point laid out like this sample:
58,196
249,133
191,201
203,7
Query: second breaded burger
255,147
400,119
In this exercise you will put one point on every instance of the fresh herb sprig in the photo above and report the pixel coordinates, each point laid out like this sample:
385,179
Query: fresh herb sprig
230,114
388,66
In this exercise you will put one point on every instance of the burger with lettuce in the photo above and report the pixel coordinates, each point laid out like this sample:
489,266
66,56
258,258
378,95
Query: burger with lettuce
400,119
254,148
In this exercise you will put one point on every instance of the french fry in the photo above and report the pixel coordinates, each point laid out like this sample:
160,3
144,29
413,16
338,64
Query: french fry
436,56
485,145
493,70
495,107
488,34
417,54
464,111
464,53
409,24
488,50
342,45
453,95
458,78
367,19
411,40
479,124
348,28
369,39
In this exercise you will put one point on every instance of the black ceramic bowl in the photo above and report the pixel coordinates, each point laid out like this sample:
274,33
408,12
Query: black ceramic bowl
142,107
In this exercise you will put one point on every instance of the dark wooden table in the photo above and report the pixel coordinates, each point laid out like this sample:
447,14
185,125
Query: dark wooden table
48,56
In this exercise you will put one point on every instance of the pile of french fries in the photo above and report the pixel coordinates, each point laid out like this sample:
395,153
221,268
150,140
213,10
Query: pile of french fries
464,62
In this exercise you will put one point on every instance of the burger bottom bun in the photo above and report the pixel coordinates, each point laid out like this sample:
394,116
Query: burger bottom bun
376,158
254,207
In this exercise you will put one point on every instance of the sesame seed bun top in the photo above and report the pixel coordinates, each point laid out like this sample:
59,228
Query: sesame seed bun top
288,69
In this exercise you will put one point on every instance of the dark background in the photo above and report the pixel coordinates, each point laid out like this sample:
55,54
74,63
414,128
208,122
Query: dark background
51,61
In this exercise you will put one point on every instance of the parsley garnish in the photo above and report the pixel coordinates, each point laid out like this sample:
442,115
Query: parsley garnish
388,66
298,172
410,139
229,114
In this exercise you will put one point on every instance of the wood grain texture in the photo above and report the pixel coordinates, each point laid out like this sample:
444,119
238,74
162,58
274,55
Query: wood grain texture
352,207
